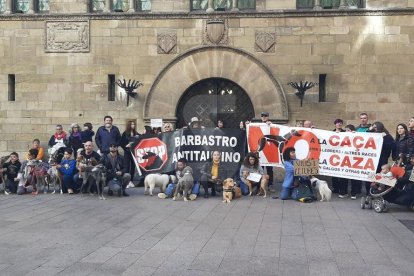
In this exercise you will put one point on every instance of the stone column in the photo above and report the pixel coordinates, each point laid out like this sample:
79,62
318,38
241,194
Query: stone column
317,5
131,6
210,7
107,7
343,4
31,7
9,7
235,5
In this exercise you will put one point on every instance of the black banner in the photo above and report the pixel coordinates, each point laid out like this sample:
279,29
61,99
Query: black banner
161,153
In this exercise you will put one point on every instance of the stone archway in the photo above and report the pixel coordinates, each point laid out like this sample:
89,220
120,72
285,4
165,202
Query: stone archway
205,62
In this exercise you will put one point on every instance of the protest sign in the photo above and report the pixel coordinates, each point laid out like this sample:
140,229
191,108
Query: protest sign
378,178
161,153
306,167
155,123
345,154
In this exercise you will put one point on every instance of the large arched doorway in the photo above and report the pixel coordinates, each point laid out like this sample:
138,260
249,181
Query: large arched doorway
213,99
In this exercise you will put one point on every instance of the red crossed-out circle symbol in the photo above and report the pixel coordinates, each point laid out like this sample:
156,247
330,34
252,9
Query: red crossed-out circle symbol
151,154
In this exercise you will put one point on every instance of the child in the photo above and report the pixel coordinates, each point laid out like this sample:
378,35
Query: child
385,173
36,145
25,175
67,168
11,169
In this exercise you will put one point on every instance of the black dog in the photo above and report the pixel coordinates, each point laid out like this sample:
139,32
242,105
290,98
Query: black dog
278,141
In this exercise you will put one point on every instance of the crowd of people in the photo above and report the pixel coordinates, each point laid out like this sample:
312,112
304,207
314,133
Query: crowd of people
76,145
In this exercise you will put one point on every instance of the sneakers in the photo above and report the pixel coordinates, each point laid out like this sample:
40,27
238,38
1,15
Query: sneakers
192,196
353,197
7,192
343,196
130,185
162,195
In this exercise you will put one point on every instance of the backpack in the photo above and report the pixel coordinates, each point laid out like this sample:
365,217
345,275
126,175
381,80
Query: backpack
303,193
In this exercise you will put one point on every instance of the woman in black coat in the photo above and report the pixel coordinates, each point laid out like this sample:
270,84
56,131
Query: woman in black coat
404,144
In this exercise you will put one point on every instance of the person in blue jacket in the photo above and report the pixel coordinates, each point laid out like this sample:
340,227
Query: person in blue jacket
289,156
106,135
67,168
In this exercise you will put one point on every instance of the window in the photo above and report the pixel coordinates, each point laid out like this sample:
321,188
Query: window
97,5
2,6
328,4
322,88
223,4
143,5
42,6
111,88
12,87
21,6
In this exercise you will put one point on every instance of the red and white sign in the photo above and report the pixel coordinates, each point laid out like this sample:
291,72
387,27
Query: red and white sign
345,154
151,154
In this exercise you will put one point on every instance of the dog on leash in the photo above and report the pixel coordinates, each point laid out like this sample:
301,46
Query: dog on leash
185,183
322,189
158,180
228,188
97,176
54,179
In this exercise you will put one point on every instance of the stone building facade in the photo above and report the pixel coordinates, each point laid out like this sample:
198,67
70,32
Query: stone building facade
58,67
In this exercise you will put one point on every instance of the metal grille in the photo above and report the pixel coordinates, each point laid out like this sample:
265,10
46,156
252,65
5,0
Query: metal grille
98,5
22,6
215,99
222,4
43,6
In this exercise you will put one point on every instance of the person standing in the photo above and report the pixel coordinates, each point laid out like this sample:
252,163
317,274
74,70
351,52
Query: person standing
75,139
339,185
106,135
269,169
411,127
129,136
404,144
87,133
363,126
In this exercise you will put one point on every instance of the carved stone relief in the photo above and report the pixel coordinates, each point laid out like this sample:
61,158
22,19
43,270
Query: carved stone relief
265,42
215,32
67,36
167,42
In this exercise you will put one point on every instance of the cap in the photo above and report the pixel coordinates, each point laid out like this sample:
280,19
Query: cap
338,121
194,120
264,114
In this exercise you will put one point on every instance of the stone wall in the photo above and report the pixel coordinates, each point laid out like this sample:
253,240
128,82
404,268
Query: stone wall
368,59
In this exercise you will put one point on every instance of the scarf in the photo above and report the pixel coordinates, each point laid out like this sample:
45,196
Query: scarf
61,136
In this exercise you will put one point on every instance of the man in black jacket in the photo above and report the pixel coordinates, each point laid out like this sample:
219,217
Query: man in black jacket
116,174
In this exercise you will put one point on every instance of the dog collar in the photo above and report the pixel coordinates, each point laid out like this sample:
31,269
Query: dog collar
228,190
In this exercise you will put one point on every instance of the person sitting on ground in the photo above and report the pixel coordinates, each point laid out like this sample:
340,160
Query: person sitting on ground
169,192
87,133
10,170
251,165
117,177
67,168
41,151
25,176
212,174
91,158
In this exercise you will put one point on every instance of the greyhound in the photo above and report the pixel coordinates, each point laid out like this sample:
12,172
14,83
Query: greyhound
97,176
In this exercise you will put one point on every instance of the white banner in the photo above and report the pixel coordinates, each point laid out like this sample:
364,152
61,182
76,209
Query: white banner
345,154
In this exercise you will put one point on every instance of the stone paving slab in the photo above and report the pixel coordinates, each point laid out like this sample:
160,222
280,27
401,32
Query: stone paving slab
143,235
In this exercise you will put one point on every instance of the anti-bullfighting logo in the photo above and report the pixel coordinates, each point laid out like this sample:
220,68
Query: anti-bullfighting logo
151,154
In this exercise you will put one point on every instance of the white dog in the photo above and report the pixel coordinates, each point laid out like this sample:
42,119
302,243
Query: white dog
158,180
322,189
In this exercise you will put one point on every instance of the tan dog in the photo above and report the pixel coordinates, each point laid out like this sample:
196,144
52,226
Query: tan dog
228,185
263,184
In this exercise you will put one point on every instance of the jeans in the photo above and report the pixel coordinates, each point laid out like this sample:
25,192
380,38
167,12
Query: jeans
11,186
123,180
286,193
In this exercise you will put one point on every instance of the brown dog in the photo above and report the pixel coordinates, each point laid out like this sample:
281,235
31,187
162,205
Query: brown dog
263,184
228,185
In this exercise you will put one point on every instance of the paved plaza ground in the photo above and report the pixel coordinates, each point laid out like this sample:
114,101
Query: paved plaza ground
143,235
